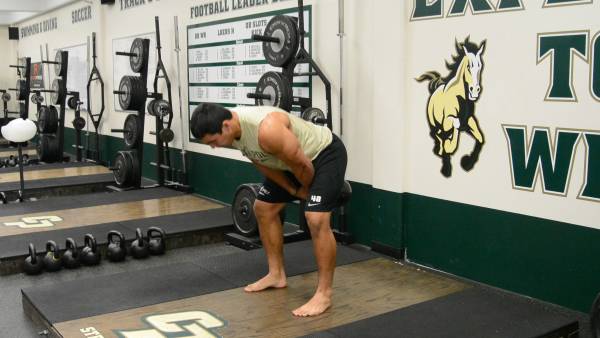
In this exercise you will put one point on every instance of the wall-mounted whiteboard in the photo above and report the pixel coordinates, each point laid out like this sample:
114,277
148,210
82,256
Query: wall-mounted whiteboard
78,71
121,63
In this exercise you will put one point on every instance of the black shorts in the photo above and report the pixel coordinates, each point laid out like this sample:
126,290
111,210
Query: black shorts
324,191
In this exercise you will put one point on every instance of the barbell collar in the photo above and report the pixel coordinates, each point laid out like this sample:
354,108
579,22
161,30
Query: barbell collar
258,96
265,38
126,54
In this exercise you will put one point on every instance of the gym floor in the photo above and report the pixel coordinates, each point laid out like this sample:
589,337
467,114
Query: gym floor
15,324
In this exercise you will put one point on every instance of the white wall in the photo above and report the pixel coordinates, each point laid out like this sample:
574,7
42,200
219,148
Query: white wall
385,125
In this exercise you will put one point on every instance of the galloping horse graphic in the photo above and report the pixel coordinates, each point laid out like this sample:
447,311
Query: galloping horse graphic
451,105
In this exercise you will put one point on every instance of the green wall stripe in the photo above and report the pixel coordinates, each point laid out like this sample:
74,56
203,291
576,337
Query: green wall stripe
549,260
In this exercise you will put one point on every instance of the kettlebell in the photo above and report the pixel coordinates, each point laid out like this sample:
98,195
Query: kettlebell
89,253
116,250
12,161
52,261
71,256
33,264
156,241
25,159
139,247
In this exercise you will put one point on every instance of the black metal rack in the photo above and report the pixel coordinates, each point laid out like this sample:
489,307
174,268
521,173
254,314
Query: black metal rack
96,118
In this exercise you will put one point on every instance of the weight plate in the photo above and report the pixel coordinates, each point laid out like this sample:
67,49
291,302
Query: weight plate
137,61
285,29
150,107
47,148
162,108
136,169
277,86
58,69
242,210
57,96
72,102
79,123
133,131
133,93
314,115
5,97
122,170
47,120
166,135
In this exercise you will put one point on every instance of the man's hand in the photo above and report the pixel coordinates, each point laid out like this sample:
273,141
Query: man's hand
302,193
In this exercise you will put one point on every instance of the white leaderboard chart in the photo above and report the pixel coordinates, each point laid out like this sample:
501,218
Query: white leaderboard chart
225,64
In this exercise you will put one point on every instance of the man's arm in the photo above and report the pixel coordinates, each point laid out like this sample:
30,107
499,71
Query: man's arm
278,177
276,138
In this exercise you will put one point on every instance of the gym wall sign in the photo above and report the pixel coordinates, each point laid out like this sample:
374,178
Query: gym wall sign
451,104
552,158
181,325
223,6
428,9
81,14
39,27
128,4
35,222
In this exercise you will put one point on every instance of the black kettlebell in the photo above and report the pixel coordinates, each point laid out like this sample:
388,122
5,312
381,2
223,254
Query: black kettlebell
89,253
52,260
116,250
12,161
156,241
71,255
33,264
139,247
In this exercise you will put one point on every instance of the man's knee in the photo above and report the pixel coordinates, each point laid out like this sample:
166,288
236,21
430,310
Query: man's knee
318,221
264,210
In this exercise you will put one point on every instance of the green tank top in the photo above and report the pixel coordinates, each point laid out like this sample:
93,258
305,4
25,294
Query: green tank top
313,138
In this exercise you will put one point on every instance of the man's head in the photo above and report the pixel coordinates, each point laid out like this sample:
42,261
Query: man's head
212,124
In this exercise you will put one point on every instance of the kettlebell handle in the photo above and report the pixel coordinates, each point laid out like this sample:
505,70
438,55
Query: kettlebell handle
70,244
51,246
115,233
139,236
32,253
155,230
90,241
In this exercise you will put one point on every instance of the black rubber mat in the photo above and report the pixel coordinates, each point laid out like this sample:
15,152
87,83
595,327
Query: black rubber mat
131,290
123,291
475,312
179,223
17,245
59,182
86,200
47,166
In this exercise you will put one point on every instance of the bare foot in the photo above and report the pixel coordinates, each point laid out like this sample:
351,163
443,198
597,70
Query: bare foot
268,281
318,304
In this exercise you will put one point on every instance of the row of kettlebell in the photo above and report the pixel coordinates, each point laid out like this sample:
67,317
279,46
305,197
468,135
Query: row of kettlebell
140,248
89,255
13,161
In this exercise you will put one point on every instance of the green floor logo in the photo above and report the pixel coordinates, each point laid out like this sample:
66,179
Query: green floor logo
181,325
35,222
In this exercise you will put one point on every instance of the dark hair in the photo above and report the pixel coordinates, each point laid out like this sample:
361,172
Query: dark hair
208,118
